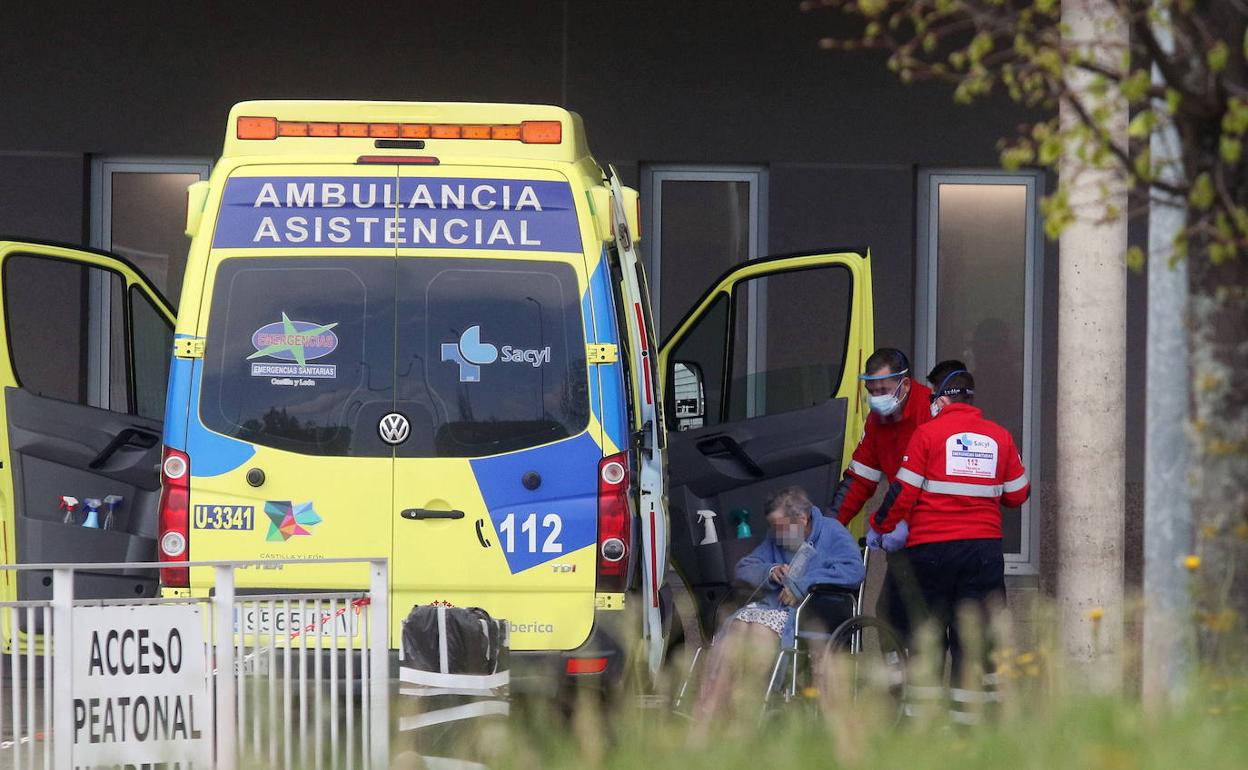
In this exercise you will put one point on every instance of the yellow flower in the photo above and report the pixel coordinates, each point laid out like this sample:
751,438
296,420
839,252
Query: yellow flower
1026,657
810,692
1192,562
1096,613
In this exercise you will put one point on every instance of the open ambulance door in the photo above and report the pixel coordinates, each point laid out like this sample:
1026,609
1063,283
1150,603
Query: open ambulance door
650,437
84,371
760,385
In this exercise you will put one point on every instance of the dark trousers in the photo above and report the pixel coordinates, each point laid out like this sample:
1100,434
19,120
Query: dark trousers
899,595
954,575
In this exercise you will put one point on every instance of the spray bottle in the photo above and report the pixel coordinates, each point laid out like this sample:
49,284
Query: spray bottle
93,513
742,518
111,504
707,519
70,506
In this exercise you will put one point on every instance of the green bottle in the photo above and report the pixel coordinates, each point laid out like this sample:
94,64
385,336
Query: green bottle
742,518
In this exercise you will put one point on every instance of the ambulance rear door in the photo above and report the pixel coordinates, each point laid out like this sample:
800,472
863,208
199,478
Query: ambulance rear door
294,380
495,488
761,393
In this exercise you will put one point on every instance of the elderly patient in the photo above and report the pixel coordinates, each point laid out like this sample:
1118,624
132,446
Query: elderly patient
753,634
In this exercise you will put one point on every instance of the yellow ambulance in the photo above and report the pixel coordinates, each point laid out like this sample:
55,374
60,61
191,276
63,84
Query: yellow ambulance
421,330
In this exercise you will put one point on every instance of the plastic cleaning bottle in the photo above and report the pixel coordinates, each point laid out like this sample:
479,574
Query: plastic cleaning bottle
707,518
742,517
93,513
70,506
111,504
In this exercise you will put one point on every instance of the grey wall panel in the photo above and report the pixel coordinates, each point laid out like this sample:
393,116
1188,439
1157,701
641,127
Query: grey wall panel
694,81
817,206
714,82
42,196
145,77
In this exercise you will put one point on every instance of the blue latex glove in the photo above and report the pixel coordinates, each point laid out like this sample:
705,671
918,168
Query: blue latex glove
874,539
896,540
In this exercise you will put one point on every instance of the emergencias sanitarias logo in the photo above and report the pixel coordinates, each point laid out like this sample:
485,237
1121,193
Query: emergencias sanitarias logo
294,343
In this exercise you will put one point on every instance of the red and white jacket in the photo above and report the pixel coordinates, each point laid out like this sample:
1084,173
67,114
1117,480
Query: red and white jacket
958,471
879,453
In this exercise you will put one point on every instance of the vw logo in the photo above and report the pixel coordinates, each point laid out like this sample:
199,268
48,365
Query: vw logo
393,428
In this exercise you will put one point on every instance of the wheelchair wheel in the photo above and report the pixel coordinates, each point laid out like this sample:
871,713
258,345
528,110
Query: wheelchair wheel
864,663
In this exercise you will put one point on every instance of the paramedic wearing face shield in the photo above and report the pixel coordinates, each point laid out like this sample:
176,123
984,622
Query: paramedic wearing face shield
957,472
898,406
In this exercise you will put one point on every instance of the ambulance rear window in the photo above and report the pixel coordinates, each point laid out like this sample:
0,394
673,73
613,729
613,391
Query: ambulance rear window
491,355
300,354
482,356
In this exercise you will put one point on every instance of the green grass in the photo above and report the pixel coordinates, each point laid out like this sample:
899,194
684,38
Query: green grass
1047,731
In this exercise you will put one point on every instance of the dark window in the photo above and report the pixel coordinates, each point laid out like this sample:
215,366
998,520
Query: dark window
48,324
784,335
788,349
697,387
491,355
152,345
300,353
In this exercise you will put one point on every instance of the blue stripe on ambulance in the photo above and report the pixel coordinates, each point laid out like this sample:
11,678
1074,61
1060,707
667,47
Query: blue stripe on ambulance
605,379
569,489
211,453
176,403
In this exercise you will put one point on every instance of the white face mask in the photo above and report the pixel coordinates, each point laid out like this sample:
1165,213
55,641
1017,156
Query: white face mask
935,408
888,403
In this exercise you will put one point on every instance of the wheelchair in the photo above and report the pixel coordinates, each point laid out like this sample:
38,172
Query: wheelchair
864,655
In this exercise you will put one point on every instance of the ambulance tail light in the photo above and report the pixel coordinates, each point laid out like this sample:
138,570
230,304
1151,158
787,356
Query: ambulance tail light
615,524
586,665
525,132
174,519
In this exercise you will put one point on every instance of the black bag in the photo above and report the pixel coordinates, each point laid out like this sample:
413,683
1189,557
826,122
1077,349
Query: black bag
454,640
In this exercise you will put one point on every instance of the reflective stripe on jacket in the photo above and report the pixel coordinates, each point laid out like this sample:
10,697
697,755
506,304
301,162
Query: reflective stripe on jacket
878,455
958,471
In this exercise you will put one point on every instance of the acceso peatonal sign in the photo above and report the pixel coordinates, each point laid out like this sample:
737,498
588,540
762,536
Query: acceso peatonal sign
140,688
376,212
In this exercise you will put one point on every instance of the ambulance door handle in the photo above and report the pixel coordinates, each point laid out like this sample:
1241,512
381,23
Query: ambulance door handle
723,445
415,514
129,437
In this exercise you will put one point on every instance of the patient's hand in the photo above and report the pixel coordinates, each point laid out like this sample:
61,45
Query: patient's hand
787,598
778,572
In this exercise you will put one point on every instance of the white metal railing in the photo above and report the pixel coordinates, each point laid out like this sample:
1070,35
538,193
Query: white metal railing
281,669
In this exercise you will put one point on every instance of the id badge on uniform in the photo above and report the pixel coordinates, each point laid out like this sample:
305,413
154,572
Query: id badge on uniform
971,454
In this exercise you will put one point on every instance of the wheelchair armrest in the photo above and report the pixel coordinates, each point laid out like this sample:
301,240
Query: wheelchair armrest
827,589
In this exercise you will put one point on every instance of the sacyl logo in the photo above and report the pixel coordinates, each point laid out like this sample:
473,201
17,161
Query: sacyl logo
471,354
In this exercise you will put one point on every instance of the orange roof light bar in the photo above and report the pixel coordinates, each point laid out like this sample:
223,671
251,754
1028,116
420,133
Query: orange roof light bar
541,132
527,132
257,128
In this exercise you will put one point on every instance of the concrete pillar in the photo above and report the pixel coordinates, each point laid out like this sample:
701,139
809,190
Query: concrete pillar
1168,634
1091,375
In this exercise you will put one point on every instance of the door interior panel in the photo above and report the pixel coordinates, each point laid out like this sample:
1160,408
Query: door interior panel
60,448
735,466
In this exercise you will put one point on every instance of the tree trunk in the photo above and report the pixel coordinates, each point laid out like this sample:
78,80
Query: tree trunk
1219,456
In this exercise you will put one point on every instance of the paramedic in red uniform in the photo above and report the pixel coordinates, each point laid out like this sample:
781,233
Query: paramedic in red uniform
957,472
899,404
